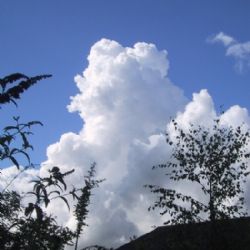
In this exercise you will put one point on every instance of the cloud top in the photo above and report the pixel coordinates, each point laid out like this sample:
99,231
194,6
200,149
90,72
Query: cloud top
125,101
124,89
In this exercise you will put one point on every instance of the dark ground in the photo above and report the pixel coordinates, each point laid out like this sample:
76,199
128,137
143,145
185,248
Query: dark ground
233,234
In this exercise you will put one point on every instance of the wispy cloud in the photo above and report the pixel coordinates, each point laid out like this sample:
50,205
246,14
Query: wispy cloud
223,38
239,51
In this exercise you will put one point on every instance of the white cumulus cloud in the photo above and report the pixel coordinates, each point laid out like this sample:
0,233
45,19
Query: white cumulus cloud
125,101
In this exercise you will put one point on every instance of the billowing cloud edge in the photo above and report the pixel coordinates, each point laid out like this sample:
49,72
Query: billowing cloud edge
125,100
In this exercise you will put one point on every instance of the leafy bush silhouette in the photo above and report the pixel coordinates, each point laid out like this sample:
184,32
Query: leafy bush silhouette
215,159
29,227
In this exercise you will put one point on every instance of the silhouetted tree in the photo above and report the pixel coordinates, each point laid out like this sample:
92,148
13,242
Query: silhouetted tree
216,160
29,227
12,86
18,229
83,200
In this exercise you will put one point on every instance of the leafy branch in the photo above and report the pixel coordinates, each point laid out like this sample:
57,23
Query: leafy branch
43,195
216,160
12,134
22,83
83,200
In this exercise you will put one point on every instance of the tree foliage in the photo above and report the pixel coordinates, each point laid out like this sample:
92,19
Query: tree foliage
21,83
10,148
12,86
46,189
215,159
83,200
28,226
18,229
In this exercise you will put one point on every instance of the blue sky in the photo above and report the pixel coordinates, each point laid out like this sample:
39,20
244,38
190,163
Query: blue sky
56,36
126,94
